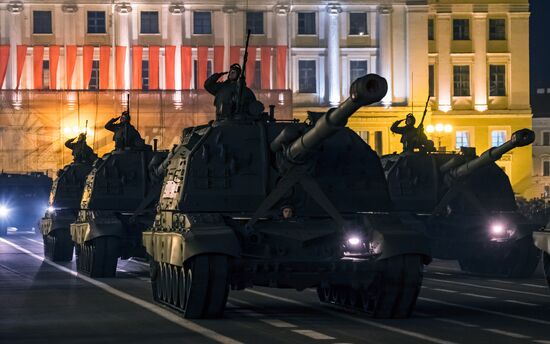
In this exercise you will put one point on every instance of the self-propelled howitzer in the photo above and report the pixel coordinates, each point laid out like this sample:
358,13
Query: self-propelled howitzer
467,205
220,222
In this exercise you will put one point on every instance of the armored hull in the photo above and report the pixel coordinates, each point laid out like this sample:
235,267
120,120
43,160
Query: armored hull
220,226
468,207
63,208
116,206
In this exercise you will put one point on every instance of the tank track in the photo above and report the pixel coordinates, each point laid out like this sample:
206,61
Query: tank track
198,290
546,267
391,294
98,257
58,245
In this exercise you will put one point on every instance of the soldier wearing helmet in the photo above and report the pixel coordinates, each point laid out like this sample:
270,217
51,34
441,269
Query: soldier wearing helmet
81,151
125,135
412,137
226,93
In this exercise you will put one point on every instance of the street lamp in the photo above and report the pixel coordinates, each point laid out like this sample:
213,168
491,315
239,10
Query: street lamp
438,131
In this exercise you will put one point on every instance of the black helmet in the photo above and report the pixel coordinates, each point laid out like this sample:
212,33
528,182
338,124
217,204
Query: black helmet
236,66
411,117
126,114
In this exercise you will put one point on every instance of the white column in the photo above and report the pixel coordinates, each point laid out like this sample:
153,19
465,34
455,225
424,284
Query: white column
228,18
282,29
518,78
175,37
333,54
123,35
479,72
385,46
15,29
444,63
417,54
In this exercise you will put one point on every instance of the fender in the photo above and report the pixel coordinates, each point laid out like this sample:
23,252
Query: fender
176,248
541,240
104,226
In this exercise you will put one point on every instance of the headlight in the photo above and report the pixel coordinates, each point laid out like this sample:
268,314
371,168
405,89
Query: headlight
357,245
50,209
4,211
500,231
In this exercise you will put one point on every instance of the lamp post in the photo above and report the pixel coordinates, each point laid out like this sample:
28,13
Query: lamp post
438,131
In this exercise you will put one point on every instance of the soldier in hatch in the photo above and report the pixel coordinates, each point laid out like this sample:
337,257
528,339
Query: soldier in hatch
126,136
412,137
226,93
80,149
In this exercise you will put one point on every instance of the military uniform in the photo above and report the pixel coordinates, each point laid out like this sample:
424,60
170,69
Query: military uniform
125,135
412,137
80,150
226,96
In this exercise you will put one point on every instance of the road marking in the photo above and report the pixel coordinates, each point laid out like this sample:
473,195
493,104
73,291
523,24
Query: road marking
313,334
501,281
534,285
479,296
278,323
456,322
519,317
356,319
506,333
191,326
445,290
521,303
486,287
542,341
35,241
138,262
442,273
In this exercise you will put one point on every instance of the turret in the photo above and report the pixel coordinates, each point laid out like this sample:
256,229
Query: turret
452,171
366,90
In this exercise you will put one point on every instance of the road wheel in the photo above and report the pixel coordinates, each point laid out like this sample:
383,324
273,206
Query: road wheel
99,257
394,292
58,246
517,261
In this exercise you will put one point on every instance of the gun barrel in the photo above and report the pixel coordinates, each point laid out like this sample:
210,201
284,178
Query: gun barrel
366,90
520,138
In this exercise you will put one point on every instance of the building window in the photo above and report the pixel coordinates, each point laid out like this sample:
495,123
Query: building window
306,23
546,191
461,29
196,72
96,22
42,21
94,80
497,29
202,23
307,76
546,168
431,30
546,138
378,143
255,22
498,137
365,135
149,22
145,74
46,74
462,139
431,80
357,69
358,24
497,80
461,81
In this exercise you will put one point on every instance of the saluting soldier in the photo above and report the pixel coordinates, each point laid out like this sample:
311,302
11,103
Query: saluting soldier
80,149
412,137
226,93
126,136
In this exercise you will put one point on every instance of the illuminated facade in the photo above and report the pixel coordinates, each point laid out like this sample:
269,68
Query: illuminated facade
471,56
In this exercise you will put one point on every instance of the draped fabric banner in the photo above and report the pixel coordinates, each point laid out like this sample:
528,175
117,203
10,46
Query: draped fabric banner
70,61
266,68
4,58
202,66
87,64
186,67
234,55
120,55
54,61
154,67
37,63
21,56
251,67
169,65
137,58
104,59
281,67
218,58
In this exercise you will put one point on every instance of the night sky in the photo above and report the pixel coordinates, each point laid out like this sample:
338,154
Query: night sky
540,55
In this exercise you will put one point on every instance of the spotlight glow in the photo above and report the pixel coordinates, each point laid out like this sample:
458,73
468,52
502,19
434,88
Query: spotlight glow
497,229
4,211
354,241
50,209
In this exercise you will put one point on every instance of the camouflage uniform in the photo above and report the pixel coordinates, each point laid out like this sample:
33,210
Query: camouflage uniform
126,136
80,149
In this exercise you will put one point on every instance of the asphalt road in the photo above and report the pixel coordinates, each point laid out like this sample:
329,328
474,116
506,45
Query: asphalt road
44,302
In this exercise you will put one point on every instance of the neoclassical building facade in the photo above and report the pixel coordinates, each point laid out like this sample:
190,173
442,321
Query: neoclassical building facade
470,57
